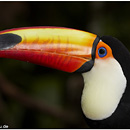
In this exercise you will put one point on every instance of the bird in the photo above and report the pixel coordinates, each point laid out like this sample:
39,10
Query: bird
104,63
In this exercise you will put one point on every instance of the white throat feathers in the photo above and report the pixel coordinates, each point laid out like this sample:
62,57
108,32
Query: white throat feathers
104,86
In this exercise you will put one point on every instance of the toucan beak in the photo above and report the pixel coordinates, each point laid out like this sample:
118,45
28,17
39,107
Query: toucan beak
64,49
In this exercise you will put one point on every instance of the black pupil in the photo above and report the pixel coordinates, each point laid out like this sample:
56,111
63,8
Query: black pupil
102,51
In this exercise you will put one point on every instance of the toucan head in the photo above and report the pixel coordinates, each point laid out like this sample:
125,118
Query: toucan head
73,50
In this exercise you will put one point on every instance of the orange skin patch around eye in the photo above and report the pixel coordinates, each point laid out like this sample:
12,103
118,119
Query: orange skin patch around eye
109,51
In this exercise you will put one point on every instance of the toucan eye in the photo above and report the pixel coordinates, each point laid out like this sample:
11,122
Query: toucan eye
102,52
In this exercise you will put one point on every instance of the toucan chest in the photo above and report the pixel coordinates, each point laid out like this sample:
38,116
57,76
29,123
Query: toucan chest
104,88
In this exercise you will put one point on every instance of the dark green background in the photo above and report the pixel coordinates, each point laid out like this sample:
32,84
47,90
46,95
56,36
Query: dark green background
58,89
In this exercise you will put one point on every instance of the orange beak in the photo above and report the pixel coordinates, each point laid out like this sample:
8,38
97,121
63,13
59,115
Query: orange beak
64,49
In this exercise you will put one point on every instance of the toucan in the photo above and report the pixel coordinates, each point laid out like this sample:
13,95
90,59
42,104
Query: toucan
103,61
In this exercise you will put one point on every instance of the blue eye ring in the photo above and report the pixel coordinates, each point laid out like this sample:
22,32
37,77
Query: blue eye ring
102,51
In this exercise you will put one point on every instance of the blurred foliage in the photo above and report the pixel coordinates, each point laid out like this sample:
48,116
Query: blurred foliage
55,87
